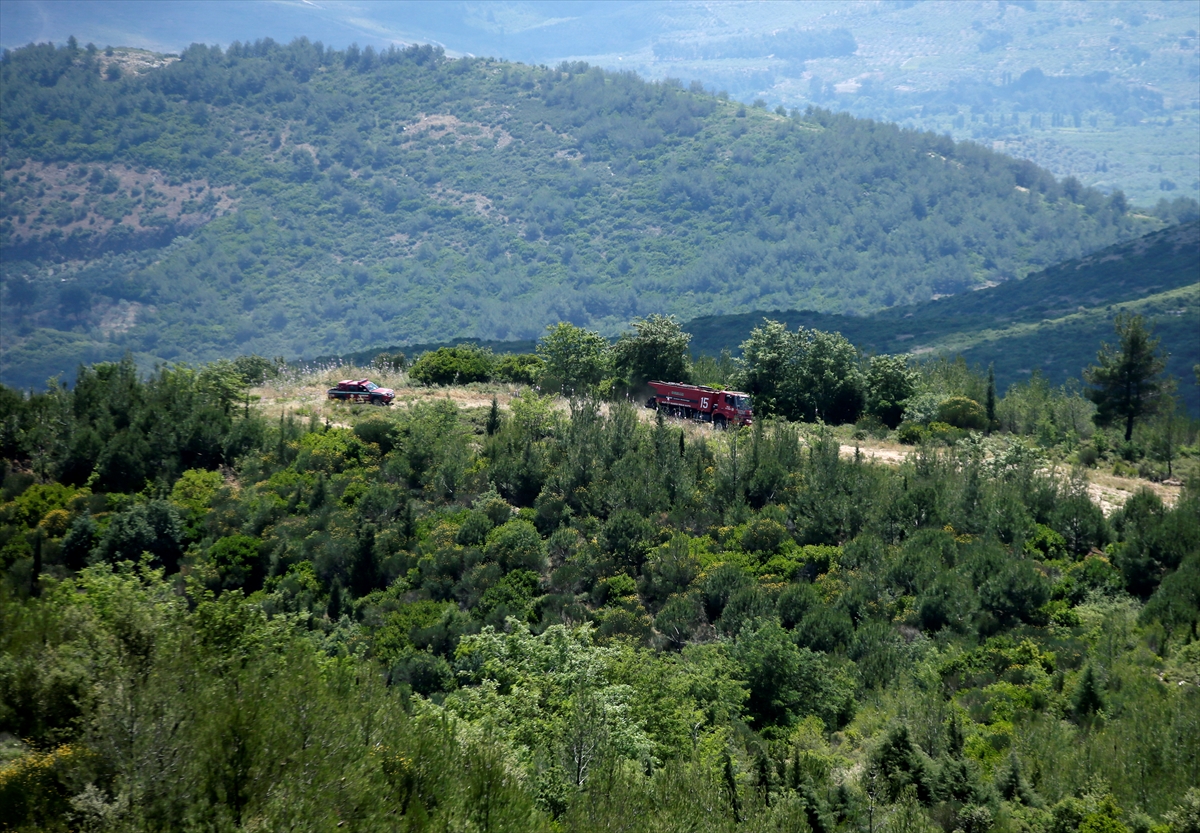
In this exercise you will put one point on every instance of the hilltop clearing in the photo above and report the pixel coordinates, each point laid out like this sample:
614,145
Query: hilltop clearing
304,396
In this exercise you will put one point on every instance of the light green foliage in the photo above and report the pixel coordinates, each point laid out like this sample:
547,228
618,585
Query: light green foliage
555,690
1051,414
890,383
787,682
807,375
334,451
223,383
576,360
961,412
516,545
453,366
195,489
583,619
1186,817
765,360
36,502
657,349
533,416
522,369
829,384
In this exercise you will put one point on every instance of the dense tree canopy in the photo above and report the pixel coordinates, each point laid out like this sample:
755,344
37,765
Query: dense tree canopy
657,349
574,619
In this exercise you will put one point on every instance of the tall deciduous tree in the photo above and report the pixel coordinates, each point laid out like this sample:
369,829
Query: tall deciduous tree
890,382
657,349
808,375
1126,380
576,359
764,363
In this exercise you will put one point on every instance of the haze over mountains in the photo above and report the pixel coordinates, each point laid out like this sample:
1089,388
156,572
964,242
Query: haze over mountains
1103,91
297,200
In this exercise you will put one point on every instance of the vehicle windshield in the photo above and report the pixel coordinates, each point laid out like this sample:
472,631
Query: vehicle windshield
742,403
372,386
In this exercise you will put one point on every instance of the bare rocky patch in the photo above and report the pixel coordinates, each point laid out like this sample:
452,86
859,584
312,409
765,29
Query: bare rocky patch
439,125
131,61
44,202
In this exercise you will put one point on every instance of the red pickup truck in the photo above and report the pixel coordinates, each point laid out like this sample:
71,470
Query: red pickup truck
362,390
720,407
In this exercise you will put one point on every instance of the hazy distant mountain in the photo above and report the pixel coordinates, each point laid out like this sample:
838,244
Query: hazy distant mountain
297,200
1101,91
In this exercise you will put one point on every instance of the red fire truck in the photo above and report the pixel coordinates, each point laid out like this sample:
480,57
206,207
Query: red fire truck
720,407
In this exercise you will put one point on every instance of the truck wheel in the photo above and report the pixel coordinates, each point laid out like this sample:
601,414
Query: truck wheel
719,423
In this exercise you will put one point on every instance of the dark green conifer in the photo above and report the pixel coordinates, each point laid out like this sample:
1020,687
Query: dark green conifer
990,404
731,789
762,775
1011,783
333,609
1089,699
493,420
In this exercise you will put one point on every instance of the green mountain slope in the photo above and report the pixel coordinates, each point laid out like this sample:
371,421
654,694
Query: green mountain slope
1053,321
1105,92
298,201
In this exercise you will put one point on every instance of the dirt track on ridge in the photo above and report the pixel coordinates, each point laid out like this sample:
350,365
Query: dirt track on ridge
308,396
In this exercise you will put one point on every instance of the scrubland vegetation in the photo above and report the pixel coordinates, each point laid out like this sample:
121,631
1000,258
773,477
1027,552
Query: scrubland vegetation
907,598
223,610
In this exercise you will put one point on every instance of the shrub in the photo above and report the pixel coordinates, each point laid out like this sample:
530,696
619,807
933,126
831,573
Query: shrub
516,546
459,365
942,432
764,536
254,370
910,433
871,426
961,412
518,369
1088,455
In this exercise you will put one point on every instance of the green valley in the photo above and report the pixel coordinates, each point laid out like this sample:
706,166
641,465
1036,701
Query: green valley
295,200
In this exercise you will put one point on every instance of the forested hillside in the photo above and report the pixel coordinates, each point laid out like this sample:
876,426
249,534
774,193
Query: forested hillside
575,619
297,201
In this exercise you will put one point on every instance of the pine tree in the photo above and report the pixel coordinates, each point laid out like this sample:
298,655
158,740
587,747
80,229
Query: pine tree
762,772
1088,699
956,736
1011,783
493,420
334,608
1126,379
732,789
990,406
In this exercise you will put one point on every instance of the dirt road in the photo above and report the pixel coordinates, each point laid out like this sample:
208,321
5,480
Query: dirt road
307,396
